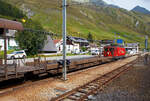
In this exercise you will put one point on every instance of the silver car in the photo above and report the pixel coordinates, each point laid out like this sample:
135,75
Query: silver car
16,54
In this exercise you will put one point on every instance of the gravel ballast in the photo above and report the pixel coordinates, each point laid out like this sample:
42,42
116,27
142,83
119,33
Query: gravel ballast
134,85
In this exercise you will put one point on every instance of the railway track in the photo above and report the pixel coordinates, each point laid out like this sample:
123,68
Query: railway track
11,88
83,92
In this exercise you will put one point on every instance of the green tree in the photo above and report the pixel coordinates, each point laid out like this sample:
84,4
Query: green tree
84,49
32,41
7,9
90,37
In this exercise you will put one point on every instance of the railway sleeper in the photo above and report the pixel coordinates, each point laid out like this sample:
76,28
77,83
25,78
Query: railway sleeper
83,90
78,94
91,86
68,100
72,97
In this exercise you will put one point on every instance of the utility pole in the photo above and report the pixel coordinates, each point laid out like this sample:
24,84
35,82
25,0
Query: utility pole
115,38
146,43
64,4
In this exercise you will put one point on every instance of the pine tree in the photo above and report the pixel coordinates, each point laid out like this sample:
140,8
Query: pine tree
90,37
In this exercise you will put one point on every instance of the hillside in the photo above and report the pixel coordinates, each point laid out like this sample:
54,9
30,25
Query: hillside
30,41
141,10
102,21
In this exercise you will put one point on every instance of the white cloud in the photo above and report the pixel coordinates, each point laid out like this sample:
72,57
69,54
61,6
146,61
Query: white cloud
129,4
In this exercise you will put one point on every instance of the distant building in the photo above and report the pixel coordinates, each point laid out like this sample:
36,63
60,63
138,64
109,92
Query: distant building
74,44
70,46
81,41
106,42
49,46
132,48
93,47
11,43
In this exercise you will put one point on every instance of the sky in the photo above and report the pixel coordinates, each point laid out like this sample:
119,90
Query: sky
129,4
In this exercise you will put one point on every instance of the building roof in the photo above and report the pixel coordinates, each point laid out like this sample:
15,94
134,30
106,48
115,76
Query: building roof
77,39
49,45
56,41
93,45
9,24
132,44
106,41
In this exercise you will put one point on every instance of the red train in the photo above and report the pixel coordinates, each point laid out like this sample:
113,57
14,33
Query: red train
115,51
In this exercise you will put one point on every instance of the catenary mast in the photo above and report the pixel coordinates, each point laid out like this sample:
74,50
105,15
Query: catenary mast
64,32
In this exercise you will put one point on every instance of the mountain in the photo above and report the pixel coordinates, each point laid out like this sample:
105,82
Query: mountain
141,10
81,1
113,6
101,21
98,2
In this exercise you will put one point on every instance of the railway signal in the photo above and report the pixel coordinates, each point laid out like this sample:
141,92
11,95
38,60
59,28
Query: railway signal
23,20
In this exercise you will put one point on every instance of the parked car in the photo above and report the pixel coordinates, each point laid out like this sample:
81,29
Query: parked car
132,52
95,52
76,52
16,54
83,52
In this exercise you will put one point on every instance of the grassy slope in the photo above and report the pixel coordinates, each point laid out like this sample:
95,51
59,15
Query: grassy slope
102,22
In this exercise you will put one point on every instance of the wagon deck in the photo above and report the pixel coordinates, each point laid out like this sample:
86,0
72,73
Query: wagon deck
13,71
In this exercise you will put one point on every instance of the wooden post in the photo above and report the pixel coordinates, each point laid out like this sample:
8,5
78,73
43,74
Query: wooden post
16,70
45,64
1,61
5,53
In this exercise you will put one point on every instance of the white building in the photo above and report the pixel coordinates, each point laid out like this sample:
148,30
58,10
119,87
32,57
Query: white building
71,47
10,40
74,44
132,48
93,47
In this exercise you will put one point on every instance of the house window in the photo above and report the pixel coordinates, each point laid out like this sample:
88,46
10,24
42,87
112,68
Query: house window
68,47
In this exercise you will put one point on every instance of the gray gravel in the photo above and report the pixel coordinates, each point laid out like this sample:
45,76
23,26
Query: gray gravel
132,86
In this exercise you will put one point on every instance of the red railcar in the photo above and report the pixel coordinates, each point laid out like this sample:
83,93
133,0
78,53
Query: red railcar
114,51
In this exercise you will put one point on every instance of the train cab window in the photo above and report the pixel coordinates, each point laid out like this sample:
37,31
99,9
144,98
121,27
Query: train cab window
106,49
112,50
